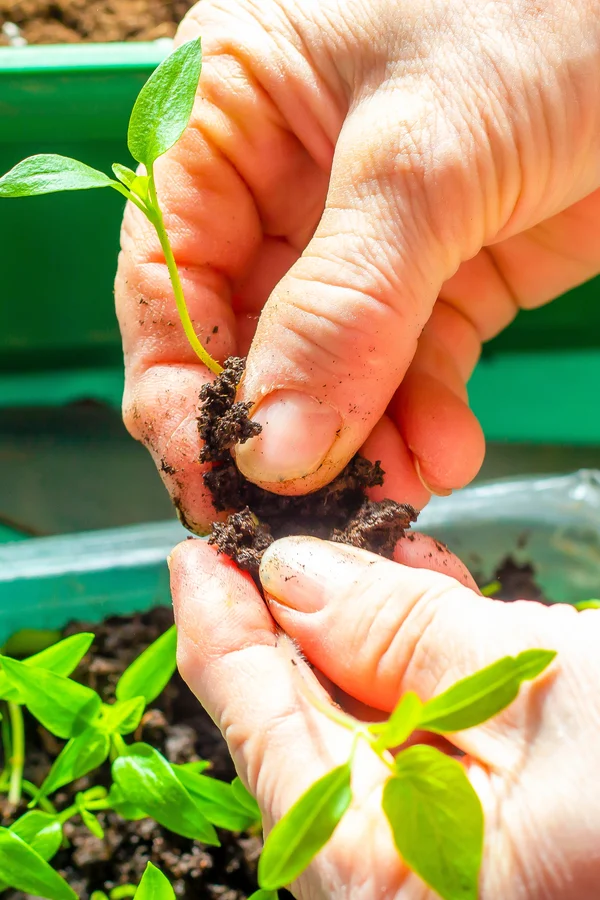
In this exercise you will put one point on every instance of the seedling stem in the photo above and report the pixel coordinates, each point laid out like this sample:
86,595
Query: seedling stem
17,760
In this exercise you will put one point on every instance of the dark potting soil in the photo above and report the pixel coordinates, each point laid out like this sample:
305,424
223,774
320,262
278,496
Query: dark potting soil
517,582
340,511
178,726
74,21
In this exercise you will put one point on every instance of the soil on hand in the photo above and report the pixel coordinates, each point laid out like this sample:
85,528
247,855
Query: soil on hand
340,511
178,727
73,21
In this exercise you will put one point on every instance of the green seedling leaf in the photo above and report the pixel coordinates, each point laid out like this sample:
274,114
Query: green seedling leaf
148,782
122,807
488,590
199,765
47,173
122,891
245,799
137,184
124,716
91,822
62,706
164,105
304,829
42,831
436,820
98,895
264,895
25,870
400,725
81,755
215,799
149,674
154,885
486,693
587,604
61,658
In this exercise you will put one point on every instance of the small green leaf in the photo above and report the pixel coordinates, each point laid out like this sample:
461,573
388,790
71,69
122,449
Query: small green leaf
124,716
400,725
215,799
437,821
488,590
81,755
154,885
64,707
476,699
91,822
61,658
125,175
304,829
137,184
122,807
42,831
48,173
122,891
25,870
587,604
98,895
164,105
148,782
149,674
264,895
245,799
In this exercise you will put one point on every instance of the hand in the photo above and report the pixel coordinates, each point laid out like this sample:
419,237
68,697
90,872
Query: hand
374,629
391,181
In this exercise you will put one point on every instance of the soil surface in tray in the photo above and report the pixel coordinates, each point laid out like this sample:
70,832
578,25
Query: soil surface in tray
72,21
175,724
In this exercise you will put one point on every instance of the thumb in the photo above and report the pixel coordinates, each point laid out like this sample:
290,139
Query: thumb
340,330
378,629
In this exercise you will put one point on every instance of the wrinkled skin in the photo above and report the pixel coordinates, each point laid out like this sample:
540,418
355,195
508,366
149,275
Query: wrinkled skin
389,181
373,629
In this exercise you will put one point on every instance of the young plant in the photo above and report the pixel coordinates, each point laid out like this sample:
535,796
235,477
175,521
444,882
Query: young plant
159,118
433,812
145,784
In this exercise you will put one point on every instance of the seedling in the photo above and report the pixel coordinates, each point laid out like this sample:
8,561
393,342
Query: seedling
160,115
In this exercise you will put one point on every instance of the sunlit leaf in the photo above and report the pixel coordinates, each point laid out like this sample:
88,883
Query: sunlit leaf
305,829
486,693
154,885
47,173
400,725
164,105
61,658
25,870
436,820
149,674
124,716
147,782
216,799
82,754
64,707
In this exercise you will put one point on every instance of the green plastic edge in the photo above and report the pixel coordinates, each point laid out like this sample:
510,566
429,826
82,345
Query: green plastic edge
83,57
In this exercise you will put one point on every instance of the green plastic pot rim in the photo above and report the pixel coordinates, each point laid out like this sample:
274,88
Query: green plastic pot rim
83,57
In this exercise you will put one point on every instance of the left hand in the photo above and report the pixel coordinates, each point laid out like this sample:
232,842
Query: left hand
374,629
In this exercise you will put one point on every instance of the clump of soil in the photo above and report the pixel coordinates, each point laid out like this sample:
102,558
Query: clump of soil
74,21
178,726
340,511
517,582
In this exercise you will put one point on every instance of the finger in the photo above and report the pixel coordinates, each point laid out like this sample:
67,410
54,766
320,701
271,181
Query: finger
340,330
245,674
378,629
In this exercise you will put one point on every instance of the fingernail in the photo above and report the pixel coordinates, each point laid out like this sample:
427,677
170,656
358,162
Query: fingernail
298,432
302,573
436,491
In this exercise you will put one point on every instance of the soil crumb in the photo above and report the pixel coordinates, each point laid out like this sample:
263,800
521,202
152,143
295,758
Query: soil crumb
340,511
517,582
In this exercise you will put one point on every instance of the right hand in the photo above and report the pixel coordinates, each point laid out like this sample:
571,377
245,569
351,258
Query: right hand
373,629
391,180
